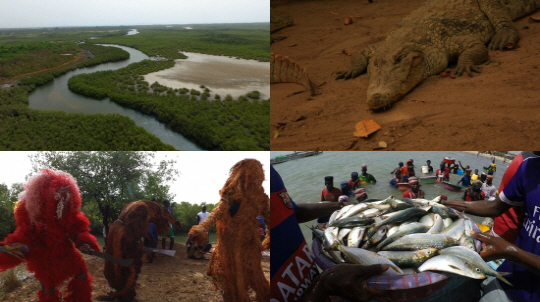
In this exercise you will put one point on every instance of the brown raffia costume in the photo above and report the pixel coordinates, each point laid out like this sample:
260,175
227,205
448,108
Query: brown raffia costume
124,241
235,265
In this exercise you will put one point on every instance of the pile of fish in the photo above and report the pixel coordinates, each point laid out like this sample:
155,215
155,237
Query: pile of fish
410,235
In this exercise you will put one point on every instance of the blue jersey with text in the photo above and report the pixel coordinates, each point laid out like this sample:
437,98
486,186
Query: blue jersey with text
524,190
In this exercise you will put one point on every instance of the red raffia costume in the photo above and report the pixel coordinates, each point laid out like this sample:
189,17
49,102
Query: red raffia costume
49,222
124,242
235,265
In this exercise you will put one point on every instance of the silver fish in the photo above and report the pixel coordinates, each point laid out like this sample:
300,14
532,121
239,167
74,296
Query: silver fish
342,233
475,259
365,257
343,211
412,228
438,225
409,258
452,264
455,230
447,222
428,219
354,210
333,217
378,236
392,230
355,236
414,242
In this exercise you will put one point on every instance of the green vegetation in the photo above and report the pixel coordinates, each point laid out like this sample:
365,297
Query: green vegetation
247,41
22,128
216,125
24,51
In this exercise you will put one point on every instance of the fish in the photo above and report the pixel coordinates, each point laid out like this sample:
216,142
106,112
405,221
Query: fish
475,259
399,217
343,211
342,233
455,230
409,258
427,219
414,242
354,210
403,230
365,257
369,213
392,230
355,236
438,225
444,211
452,264
447,222
329,237
333,217
351,221
378,236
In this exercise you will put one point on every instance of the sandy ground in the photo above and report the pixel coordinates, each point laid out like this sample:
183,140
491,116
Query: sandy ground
177,279
496,110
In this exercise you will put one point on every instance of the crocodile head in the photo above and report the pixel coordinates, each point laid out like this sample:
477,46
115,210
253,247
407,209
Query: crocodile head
392,73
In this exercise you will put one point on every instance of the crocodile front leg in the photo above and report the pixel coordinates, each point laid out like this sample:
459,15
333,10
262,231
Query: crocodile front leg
506,33
359,64
470,52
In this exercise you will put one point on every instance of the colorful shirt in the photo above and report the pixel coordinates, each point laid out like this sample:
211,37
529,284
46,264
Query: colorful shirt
507,224
404,170
330,195
465,180
292,268
467,196
410,194
474,177
368,178
524,190
489,191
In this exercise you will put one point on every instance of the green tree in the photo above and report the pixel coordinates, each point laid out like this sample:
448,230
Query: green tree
8,198
110,180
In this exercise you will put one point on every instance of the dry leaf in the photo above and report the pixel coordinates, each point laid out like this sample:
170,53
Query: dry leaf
366,127
334,13
276,134
348,21
535,18
383,144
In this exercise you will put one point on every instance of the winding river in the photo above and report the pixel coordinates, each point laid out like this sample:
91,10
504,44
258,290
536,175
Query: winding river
57,96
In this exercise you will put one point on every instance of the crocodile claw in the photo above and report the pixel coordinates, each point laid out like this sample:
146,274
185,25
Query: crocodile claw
465,68
348,74
504,39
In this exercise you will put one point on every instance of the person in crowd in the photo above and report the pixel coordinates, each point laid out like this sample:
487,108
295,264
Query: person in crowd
483,177
441,173
475,175
464,168
428,164
474,192
345,188
202,215
493,165
489,189
360,195
365,177
522,257
410,168
465,179
354,182
507,225
404,170
170,234
289,248
414,190
329,193
400,165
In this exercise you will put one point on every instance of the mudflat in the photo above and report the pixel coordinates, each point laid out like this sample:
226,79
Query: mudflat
496,109
222,75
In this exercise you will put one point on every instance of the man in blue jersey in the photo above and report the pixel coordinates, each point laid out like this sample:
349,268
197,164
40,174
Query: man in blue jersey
293,274
523,257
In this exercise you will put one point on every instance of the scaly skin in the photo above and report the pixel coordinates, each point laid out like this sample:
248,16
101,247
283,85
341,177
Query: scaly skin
429,38
284,70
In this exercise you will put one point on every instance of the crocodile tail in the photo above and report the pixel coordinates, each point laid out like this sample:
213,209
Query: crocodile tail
285,70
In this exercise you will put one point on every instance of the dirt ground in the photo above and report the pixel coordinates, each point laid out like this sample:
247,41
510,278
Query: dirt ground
177,279
495,110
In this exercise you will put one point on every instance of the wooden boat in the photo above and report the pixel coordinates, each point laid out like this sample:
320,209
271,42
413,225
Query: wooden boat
403,186
451,186
427,180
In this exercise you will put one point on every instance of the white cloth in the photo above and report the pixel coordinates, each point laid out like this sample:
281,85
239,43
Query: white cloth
202,216
489,191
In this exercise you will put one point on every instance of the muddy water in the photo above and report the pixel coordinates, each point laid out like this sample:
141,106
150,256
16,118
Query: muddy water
222,75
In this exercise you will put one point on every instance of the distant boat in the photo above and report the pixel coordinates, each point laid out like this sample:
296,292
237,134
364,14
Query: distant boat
449,160
403,186
427,179
451,186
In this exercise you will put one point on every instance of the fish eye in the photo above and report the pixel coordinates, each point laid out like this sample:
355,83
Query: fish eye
477,270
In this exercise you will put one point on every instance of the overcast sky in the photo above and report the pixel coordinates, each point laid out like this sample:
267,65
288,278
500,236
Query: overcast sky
53,13
202,173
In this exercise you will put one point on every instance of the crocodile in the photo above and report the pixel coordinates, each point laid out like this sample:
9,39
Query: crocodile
427,40
277,23
284,70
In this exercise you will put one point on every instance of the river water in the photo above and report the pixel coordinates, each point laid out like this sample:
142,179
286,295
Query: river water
57,96
304,178
222,75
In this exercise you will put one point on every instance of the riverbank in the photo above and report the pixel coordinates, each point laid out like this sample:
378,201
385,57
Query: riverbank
166,279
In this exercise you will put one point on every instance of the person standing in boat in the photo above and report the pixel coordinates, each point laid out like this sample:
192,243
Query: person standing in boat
430,168
414,190
441,173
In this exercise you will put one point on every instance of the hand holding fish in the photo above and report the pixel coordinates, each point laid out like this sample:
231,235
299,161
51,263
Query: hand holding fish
348,281
493,247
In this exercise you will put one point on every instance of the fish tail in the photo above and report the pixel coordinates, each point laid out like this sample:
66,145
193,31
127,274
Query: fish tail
500,277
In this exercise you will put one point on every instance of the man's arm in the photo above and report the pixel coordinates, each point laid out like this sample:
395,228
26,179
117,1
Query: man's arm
198,219
308,211
481,207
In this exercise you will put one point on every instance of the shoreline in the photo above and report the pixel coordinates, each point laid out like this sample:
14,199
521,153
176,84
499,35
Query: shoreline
497,158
